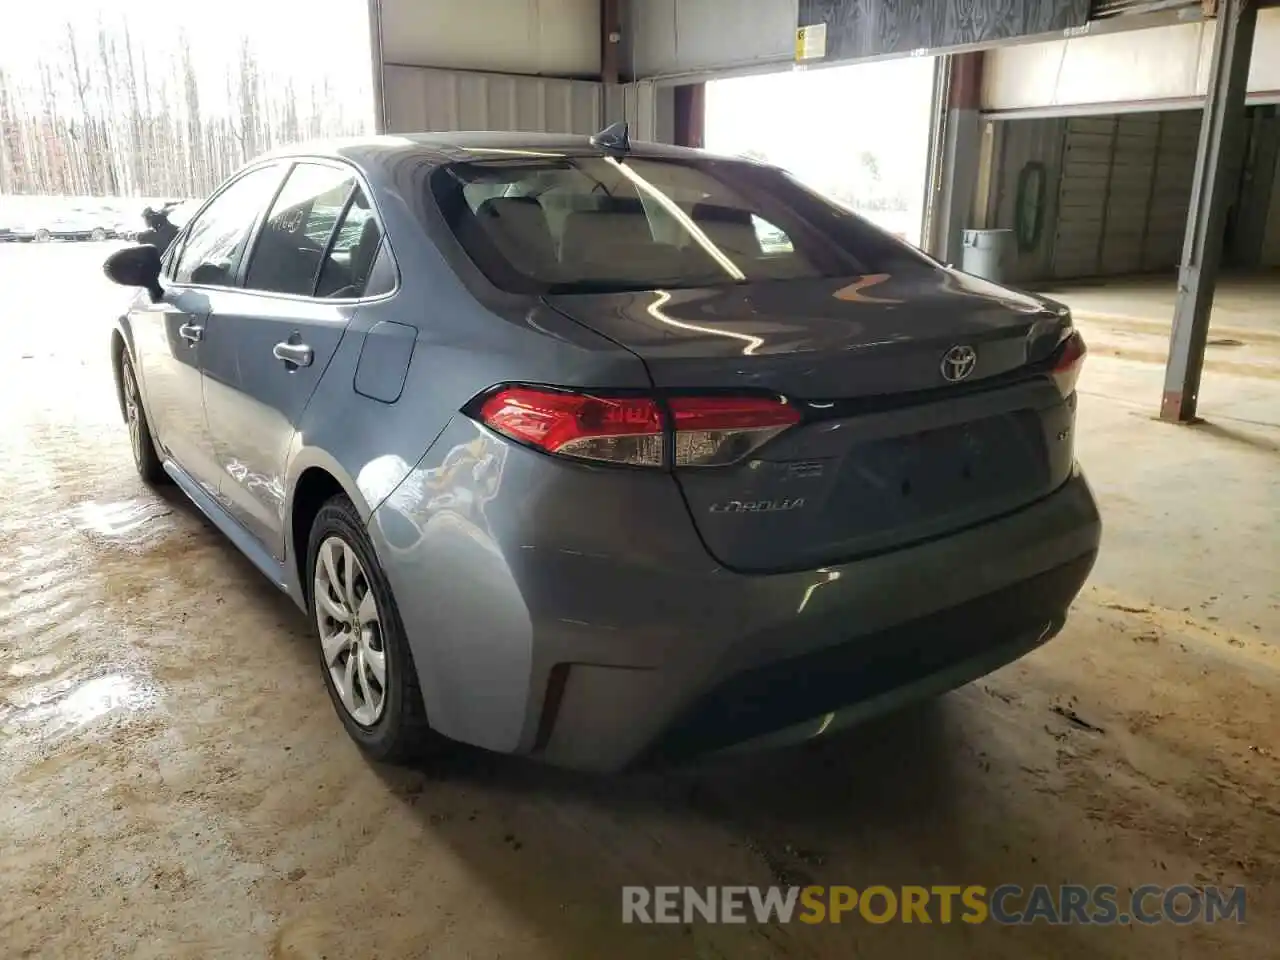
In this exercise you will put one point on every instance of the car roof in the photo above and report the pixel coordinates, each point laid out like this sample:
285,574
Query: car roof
440,148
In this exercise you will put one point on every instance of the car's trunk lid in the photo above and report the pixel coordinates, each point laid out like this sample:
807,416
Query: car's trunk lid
894,448
821,339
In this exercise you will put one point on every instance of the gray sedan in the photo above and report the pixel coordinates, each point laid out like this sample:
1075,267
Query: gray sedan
606,452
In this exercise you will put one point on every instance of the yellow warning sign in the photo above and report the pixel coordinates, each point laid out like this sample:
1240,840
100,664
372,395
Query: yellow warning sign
811,42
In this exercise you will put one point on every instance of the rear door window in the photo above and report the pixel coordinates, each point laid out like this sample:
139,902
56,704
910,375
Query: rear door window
291,246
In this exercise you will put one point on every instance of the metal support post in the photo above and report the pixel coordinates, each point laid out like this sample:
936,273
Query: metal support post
1220,133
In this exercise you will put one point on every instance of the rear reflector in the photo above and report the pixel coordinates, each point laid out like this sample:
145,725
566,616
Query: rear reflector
716,430
1066,367
709,431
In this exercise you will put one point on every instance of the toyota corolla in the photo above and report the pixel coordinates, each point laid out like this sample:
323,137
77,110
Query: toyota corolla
606,452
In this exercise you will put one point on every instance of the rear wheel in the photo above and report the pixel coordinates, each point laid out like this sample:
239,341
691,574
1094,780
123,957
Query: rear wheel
145,457
364,655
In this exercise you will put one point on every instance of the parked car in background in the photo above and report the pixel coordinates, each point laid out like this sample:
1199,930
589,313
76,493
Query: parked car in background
124,228
75,224
41,219
603,452
78,224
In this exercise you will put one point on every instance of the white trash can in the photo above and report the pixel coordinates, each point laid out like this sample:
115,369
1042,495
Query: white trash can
986,252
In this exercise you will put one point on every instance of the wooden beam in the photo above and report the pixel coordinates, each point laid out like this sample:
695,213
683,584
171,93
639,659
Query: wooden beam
610,41
690,114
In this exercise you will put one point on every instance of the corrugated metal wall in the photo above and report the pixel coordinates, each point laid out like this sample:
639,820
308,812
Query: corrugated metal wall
419,99
1020,143
1171,191
648,109
1271,241
1082,196
422,100
1129,196
549,37
1117,191
673,37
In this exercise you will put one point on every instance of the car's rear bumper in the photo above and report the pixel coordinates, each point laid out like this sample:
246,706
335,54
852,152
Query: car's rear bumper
805,696
597,659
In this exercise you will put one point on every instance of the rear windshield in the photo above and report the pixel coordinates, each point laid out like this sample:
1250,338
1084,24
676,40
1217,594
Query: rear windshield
566,224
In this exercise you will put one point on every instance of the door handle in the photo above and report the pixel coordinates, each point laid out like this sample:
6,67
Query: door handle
191,332
294,355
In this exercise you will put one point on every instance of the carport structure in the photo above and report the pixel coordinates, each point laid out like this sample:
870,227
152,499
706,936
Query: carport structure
1115,136
173,781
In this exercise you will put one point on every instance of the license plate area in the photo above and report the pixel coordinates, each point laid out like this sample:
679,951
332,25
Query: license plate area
937,472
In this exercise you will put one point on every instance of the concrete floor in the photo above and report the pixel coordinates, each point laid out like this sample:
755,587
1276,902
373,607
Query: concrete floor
1130,317
173,782
1218,520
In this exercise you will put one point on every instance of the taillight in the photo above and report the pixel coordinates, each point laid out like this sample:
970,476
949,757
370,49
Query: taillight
1066,367
708,430
613,429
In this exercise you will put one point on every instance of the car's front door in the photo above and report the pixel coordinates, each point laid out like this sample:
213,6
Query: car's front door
271,340
168,336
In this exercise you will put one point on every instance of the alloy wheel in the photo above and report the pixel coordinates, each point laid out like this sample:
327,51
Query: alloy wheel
350,631
131,409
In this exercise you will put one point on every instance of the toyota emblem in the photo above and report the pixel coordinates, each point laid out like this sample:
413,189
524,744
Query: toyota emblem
958,362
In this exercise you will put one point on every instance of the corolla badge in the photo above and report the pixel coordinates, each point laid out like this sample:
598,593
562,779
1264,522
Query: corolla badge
958,362
758,506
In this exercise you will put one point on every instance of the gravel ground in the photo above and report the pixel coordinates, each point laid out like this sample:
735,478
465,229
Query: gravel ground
173,782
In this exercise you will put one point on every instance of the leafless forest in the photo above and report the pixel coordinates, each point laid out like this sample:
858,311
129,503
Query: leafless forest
106,114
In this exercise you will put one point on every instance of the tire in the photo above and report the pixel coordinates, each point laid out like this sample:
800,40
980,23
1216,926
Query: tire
98,235
145,457
393,728
42,236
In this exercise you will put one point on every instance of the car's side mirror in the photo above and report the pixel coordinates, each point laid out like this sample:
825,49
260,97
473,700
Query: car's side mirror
136,267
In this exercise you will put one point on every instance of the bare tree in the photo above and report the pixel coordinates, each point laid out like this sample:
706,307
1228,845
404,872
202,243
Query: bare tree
103,113
79,126
248,100
137,162
12,168
115,174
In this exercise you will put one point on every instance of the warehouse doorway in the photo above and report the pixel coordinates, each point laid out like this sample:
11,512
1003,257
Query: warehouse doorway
857,133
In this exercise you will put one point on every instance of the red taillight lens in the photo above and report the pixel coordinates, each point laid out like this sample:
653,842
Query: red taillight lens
1066,368
711,431
708,431
614,429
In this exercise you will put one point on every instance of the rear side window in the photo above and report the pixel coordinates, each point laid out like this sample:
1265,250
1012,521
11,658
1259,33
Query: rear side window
349,263
291,246
587,223
384,276
216,239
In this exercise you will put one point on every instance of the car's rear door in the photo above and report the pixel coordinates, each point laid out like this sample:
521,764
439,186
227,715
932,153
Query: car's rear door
273,338
169,336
